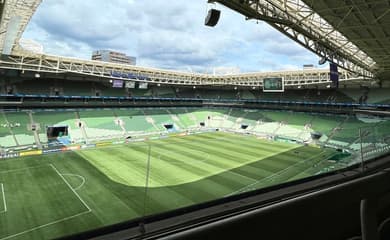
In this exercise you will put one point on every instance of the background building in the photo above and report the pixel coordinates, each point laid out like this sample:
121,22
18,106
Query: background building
112,56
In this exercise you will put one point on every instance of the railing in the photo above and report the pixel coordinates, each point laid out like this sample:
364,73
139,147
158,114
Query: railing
24,97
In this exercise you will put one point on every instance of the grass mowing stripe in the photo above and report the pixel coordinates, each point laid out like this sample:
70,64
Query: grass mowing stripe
160,168
216,151
300,166
178,172
127,176
195,154
214,161
235,155
117,165
23,169
249,187
197,171
66,182
42,197
243,148
229,156
4,202
207,166
169,195
312,170
249,150
250,144
185,170
212,146
43,226
227,152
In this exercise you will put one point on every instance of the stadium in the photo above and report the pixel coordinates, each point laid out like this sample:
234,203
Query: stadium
103,150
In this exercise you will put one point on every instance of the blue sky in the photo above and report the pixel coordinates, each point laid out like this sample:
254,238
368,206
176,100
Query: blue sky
167,34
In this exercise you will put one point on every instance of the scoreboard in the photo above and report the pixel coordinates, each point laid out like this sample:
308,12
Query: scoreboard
273,84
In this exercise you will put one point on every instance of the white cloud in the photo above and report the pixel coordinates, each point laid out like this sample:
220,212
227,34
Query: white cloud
163,33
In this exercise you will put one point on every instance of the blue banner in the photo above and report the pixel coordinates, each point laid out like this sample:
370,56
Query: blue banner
334,75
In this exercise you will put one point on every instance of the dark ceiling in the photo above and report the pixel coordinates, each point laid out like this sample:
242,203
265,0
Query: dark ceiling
366,23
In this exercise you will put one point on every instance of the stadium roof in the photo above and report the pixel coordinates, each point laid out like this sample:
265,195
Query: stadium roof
352,33
366,23
15,15
358,43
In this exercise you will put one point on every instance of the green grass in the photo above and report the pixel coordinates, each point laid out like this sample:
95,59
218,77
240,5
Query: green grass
54,195
29,205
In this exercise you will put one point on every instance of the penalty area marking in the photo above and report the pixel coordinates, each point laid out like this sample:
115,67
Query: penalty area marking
54,222
3,195
73,190
76,175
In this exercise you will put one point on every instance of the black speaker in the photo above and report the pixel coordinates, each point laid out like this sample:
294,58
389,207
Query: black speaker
212,17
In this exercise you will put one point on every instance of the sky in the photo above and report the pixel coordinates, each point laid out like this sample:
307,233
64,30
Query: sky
168,34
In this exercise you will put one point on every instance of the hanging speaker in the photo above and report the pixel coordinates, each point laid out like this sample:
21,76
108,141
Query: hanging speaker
212,17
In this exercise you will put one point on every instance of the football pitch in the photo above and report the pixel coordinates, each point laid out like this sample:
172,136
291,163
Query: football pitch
54,195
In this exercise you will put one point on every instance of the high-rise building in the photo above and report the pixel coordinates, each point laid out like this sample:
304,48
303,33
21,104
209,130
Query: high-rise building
112,56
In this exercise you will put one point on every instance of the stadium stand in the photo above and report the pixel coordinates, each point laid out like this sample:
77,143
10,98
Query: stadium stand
56,118
158,117
336,129
6,137
165,92
141,93
78,89
246,94
378,96
134,120
62,87
101,124
18,122
354,93
186,118
41,86
117,123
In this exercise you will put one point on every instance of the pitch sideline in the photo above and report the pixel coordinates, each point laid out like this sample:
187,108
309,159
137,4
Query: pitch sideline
4,201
